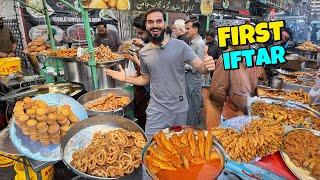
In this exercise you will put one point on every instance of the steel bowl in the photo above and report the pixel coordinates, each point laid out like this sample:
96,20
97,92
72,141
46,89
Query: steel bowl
80,135
93,95
177,129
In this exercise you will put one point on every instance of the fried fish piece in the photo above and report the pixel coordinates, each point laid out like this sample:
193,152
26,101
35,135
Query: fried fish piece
166,143
155,153
208,145
184,139
201,144
154,169
175,140
161,164
192,141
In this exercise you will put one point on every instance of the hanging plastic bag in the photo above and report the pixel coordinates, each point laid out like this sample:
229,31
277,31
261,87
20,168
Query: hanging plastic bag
131,70
315,91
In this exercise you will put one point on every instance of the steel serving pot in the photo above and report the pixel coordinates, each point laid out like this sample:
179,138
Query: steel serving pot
178,129
93,95
104,81
80,135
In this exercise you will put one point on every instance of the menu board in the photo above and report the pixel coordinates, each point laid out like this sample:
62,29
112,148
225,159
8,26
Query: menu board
183,6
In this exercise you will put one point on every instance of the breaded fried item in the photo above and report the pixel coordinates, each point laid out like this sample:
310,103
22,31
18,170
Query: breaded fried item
192,141
208,145
201,144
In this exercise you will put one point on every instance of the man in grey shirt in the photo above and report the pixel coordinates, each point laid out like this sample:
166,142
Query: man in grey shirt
162,64
194,78
107,37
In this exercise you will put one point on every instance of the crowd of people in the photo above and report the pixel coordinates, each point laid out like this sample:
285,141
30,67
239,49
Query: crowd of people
170,69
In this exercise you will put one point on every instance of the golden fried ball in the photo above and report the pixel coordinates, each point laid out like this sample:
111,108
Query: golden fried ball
18,109
28,105
27,100
32,123
52,109
65,112
73,119
23,118
31,111
19,103
52,117
41,118
41,111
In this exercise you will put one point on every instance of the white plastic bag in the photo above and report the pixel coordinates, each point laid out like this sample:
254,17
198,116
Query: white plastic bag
315,91
131,70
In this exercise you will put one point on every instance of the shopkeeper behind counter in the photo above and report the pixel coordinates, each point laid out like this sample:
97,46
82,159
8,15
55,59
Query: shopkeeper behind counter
107,37
8,43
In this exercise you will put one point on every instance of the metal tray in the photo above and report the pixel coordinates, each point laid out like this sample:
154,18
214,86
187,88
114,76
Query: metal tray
261,94
105,64
80,135
287,104
93,95
179,129
35,150
299,172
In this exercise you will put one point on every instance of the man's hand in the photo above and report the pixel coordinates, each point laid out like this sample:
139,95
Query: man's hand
3,54
118,75
11,55
138,42
208,62
135,59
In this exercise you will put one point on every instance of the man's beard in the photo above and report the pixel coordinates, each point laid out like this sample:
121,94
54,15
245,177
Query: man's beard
156,39
145,39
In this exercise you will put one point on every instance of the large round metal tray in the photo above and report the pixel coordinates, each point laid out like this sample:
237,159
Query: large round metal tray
93,95
80,135
297,171
105,64
35,150
288,104
179,129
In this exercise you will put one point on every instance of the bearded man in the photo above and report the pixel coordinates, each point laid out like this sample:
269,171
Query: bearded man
162,65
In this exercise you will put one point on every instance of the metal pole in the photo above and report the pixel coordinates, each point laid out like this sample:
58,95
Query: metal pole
45,9
208,23
92,61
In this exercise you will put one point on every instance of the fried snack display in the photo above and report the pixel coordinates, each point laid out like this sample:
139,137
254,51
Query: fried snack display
292,95
102,54
315,107
181,154
257,139
107,103
291,80
303,149
111,154
308,46
38,46
41,122
283,115
64,53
